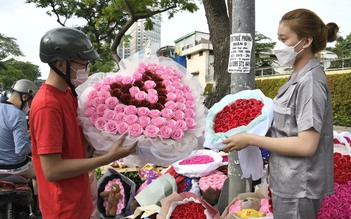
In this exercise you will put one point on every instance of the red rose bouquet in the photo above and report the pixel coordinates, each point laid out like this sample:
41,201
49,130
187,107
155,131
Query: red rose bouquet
186,205
247,111
151,101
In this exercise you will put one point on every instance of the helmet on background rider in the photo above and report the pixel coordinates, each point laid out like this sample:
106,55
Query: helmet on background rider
24,86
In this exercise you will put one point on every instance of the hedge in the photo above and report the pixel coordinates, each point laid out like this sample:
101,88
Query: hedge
339,84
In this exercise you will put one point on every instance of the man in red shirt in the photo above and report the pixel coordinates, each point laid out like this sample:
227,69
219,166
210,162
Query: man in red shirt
57,141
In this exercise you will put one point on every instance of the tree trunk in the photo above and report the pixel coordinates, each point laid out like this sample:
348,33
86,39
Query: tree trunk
219,27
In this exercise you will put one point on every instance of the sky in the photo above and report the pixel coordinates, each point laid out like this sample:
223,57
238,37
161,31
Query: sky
28,24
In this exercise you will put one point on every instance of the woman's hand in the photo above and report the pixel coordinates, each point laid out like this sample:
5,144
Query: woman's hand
236,142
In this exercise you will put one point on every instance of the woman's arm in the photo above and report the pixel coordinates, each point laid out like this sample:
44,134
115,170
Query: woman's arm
303,145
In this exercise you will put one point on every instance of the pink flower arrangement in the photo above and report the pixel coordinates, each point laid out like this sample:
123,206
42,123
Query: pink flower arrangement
152,102
199,159
264,207
215,180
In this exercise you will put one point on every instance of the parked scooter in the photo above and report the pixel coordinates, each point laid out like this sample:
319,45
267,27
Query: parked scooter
16,197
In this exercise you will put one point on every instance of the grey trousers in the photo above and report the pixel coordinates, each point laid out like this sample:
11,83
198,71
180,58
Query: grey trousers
295,208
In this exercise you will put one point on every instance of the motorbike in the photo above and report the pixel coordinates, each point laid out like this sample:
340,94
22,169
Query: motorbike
16,197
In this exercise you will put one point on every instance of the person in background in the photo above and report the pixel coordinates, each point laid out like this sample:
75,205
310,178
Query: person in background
15,144
58,147
3,96
301,170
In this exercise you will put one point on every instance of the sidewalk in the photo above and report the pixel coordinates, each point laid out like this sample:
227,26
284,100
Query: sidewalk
340,129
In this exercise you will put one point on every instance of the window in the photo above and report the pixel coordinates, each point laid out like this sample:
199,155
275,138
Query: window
201,53
188,56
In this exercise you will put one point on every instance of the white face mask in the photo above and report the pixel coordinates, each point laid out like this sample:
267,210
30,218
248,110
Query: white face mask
81,76
286,55
25,109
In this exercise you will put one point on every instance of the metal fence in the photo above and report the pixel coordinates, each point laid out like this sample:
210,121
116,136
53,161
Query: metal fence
329,65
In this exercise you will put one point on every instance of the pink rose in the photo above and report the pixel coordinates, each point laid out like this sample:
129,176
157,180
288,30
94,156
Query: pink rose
119,108
154,113
131,119
149,84
100,123
178,115
189,113
168,71
89,111
166,77
186,89
158,121
152,91
178,85
171,96
190,122
93,118
108,80
130,110
127,80
122,127
181,106
143,111
167,113
181,99
111,102
159,71
97,100
144,121
143,65
171,105
109,114
92,94
133,91
177,134
151,131
141,95
152,98
165,131
98,85
111,127
189,104
175,79
171,89
118,78
137,75
135,130
100,109
171,123
182,125
119,117
105,88
167,82
188,96
89,103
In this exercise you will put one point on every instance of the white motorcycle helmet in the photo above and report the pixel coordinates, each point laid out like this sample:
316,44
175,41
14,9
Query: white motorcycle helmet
25,86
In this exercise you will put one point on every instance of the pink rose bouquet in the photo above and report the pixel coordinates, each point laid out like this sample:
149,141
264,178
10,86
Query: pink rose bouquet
152,103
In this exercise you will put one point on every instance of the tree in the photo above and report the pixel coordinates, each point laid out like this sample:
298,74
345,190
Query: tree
15,70
342,47
108,21
218,15
8,47
11,69
220,29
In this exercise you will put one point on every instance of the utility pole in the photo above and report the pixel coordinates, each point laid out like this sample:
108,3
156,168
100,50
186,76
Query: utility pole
242,68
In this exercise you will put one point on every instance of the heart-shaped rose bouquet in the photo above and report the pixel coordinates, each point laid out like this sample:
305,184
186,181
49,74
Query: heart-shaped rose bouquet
153,101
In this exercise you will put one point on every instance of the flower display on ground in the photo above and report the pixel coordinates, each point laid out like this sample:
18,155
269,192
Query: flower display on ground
215,180
152,102
338,205
189,210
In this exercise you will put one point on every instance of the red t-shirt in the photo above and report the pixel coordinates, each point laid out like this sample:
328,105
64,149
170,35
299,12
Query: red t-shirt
54,129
